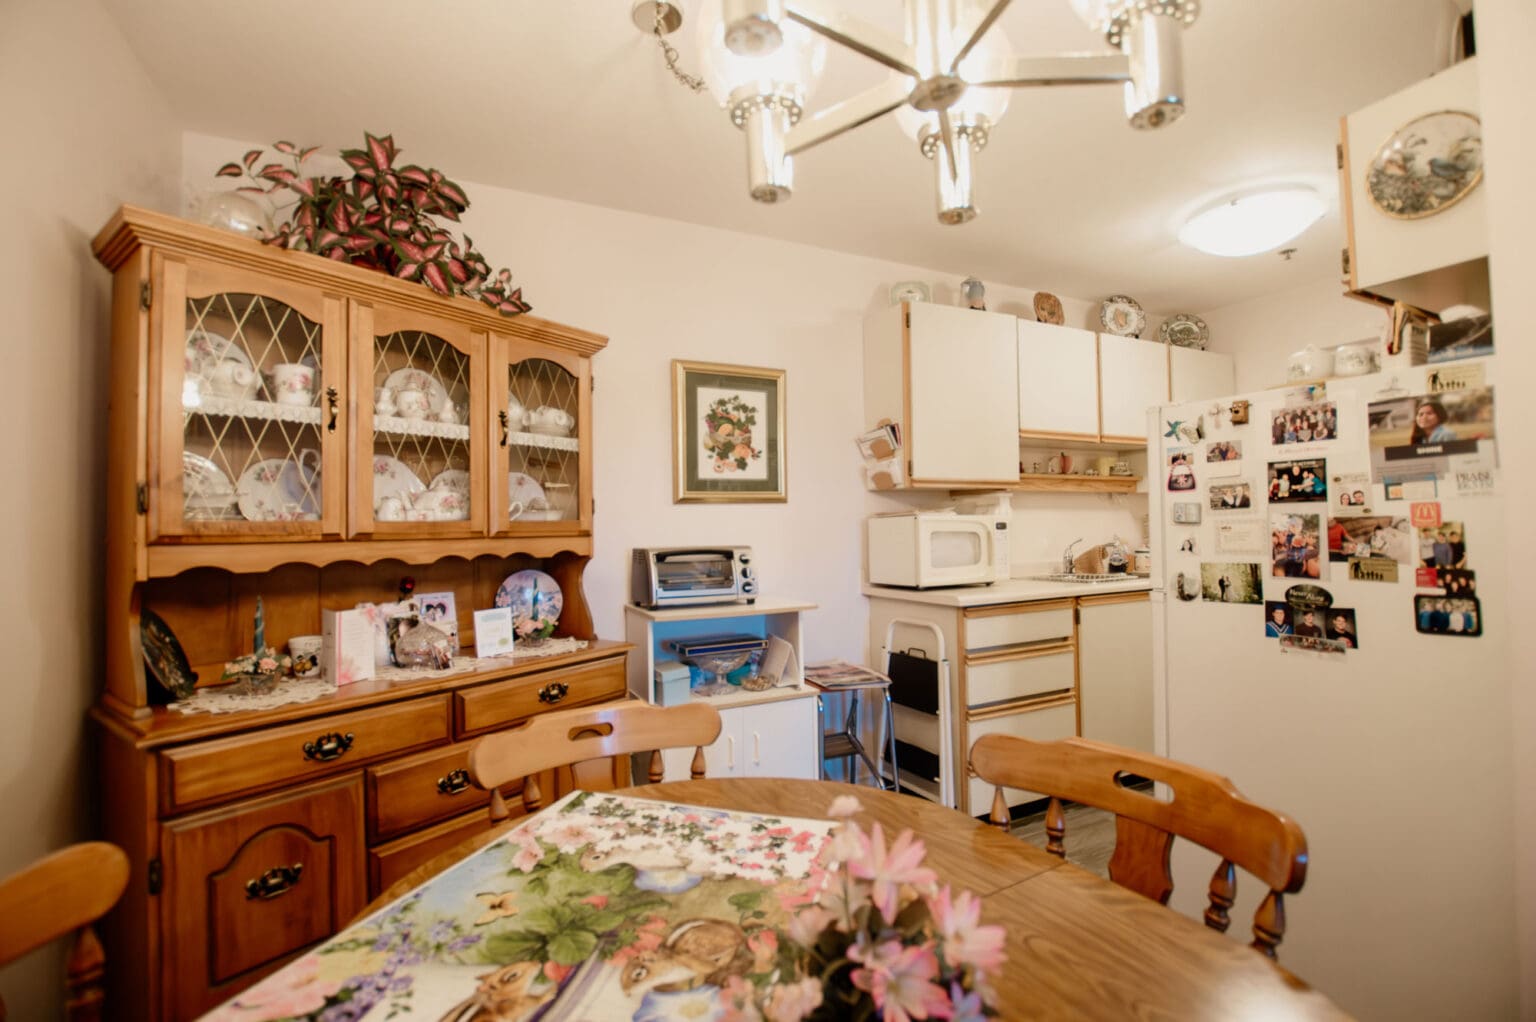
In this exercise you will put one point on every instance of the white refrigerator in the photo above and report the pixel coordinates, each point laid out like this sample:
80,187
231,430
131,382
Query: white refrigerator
1384,732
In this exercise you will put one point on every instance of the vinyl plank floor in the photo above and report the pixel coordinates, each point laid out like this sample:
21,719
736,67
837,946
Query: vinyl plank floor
1090,836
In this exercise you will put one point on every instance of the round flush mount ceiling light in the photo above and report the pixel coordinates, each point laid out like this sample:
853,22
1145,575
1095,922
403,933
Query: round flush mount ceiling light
1253,222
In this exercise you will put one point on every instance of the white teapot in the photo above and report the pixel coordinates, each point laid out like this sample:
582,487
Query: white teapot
233,378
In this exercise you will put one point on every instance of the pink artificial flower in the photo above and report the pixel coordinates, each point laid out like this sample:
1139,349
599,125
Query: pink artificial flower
805,926
793,1001
267,665
962,940
899,980
887,871
844,806
848,843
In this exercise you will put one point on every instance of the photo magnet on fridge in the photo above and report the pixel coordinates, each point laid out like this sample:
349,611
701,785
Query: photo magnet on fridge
1444,546
1295,545
1277,619
1295,481
1372,569
1350,490
1181,470
1445,615
1372,536
1230,582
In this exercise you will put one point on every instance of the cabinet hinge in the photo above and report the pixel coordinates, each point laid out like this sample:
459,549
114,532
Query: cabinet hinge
156,876
906,320
146,292
1338,152
1344,261
141,499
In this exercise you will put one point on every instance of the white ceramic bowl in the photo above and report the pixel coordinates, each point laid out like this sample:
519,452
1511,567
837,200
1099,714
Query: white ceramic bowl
1354,359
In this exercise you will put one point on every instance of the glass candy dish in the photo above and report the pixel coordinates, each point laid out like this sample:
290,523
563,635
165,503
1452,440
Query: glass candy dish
717,656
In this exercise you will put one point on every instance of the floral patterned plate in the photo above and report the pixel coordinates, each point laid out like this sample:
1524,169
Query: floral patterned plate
524,489
206,349
419,379
273,491
536,602
206,491
1122,315
391,478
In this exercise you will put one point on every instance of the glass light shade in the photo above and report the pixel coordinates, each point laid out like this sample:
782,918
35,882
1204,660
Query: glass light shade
752,27
1097,14
791,69
988,103
1253,223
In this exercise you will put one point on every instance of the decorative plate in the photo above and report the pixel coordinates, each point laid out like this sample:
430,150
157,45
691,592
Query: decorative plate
1185,330
535,599
391,478
206,349
1428,164
163,656
453,479
524,489
1048,308
274,491
910,291
419,379
1122,315
206,491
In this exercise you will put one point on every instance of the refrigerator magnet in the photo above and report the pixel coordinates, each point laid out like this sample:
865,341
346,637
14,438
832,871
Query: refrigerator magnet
1446,615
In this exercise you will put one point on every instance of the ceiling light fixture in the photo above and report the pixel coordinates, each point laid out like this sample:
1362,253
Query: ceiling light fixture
1254,222
950,72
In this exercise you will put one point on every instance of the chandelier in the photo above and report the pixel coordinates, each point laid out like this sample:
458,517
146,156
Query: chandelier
951,76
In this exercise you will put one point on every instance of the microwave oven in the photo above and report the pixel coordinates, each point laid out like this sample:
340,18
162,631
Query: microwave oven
925,549
688,576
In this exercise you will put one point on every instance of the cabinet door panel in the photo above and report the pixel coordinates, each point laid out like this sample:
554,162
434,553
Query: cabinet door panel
1058,380
779,739
962,375
1115,672
1133,375
542,418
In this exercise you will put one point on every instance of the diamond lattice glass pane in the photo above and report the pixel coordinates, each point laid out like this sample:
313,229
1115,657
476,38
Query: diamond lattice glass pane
421,457
251,419
545,460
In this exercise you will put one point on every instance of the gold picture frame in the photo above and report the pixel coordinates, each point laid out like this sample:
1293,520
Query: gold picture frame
728,434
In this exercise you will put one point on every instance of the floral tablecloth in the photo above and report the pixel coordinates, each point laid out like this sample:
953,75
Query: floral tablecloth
600,907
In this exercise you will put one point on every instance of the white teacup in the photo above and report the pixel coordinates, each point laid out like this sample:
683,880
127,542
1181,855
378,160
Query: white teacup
232,378
412,404
514,510
551,418
293,383
390,509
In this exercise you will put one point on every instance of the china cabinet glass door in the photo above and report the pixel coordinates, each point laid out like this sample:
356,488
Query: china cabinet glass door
248,372
418,379
543,435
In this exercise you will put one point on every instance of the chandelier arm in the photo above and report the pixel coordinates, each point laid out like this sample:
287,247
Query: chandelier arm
854,34
851,113
1069,69
950,139
982,25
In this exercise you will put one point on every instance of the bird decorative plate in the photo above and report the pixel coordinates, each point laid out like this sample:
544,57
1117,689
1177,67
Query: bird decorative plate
1428,164
1048,308
1185,331
1121,315
909,291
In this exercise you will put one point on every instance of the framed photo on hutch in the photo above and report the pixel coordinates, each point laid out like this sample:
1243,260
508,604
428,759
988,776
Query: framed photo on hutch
728,432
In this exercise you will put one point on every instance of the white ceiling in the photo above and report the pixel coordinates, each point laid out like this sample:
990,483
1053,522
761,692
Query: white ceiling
566,98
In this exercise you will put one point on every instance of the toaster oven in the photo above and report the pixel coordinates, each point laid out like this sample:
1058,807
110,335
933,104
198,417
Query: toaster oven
689,576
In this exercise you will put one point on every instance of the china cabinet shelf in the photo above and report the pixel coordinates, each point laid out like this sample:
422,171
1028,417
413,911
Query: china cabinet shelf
229,407
544,440
419,427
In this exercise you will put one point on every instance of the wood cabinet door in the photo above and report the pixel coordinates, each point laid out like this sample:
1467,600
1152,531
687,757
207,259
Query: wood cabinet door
1058,381
540,454
1194,374
1133,376
962,378
249,885
245,378
1114,653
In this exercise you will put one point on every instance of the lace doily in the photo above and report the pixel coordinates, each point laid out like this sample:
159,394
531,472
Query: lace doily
307,690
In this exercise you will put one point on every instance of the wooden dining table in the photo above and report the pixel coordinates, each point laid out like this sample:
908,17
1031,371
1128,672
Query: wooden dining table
1078,946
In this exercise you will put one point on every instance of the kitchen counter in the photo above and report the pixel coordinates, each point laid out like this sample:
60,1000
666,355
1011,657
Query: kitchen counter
1015,590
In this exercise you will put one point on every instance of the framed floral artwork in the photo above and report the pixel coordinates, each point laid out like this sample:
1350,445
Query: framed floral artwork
728,432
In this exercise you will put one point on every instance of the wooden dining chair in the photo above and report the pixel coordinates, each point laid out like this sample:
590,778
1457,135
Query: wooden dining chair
1204,808
588,740
61,893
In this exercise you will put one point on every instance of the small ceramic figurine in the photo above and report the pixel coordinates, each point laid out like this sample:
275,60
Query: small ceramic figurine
974,292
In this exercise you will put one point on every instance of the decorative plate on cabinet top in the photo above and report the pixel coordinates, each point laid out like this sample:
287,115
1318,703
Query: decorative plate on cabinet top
535,599
1121,315
910,291
1048,308
164,657
1185,330
1428,164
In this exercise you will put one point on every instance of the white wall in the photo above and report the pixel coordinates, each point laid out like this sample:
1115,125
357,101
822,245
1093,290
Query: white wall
1261,334
84,133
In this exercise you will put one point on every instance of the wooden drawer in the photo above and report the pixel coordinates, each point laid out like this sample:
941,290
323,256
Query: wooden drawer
388,863
490,707
1018,624
406,793
219,936
1045,725
1019,676
197,774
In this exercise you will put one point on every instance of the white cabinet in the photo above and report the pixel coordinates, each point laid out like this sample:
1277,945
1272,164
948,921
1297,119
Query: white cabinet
1114,659
948,376
763,739
1058,381
1195,374
1133,376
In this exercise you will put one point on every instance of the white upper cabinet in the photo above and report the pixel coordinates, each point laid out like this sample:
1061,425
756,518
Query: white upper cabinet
1058,381
949,376
1133,376
1194,374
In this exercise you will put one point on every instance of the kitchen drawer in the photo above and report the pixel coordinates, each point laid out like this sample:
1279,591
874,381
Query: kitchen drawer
1045,725
1019,676
196,774
490,707
389,862
1017,624
406,793
250,884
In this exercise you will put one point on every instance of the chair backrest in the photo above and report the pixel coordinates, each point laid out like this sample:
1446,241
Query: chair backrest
571,737
1204,808
59,894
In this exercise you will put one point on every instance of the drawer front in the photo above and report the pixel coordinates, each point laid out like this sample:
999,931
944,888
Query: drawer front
197,774
1024,677
406,793
1045,725
1018,624
489,707
251,884
388,863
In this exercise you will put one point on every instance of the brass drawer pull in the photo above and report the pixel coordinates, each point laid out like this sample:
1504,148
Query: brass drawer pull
553,692
276,881
329,746
456,782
